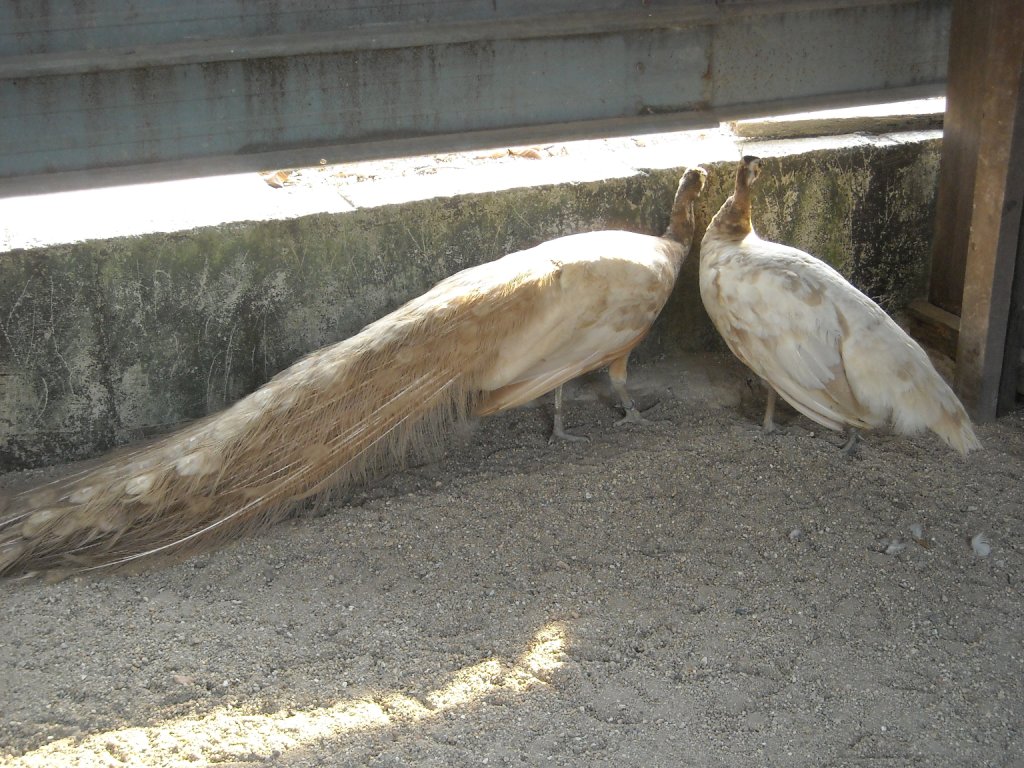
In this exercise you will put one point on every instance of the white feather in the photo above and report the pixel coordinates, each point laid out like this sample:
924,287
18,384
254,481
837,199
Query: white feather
826,348
980,545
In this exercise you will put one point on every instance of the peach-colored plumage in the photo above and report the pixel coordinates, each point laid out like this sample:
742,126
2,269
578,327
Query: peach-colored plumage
488,338
826,348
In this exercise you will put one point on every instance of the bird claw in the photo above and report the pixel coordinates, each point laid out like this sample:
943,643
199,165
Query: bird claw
633,417
558,433
561,434
849,448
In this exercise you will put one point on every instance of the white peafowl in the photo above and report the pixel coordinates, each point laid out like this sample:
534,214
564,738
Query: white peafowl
826,348
488,338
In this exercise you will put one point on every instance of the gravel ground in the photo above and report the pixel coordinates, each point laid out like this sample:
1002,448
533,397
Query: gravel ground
691,593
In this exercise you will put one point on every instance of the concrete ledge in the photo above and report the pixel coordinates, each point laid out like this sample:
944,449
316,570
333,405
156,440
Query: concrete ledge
918,115
124,311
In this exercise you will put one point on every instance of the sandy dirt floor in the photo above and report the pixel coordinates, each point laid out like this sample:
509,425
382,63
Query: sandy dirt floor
691,593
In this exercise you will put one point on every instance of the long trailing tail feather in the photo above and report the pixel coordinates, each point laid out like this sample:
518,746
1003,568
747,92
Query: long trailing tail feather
336,418
339,416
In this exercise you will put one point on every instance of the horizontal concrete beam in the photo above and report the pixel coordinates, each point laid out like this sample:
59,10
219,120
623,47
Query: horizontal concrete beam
178,82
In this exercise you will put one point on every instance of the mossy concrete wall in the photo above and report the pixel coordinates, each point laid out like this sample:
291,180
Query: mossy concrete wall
108,341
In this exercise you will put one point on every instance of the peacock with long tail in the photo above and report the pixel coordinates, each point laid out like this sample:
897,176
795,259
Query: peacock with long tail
826,348
486,339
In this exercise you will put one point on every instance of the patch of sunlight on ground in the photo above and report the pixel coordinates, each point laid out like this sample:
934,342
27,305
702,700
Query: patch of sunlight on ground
225,734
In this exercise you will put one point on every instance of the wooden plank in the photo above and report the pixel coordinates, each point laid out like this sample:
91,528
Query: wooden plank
990,127
964,81
936,328
1011,386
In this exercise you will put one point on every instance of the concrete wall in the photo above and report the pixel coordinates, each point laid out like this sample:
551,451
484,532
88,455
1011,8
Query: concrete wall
108,83
107,341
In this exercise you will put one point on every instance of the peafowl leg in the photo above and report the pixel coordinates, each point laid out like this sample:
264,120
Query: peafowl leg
853,439
558,432
768,426
617,373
